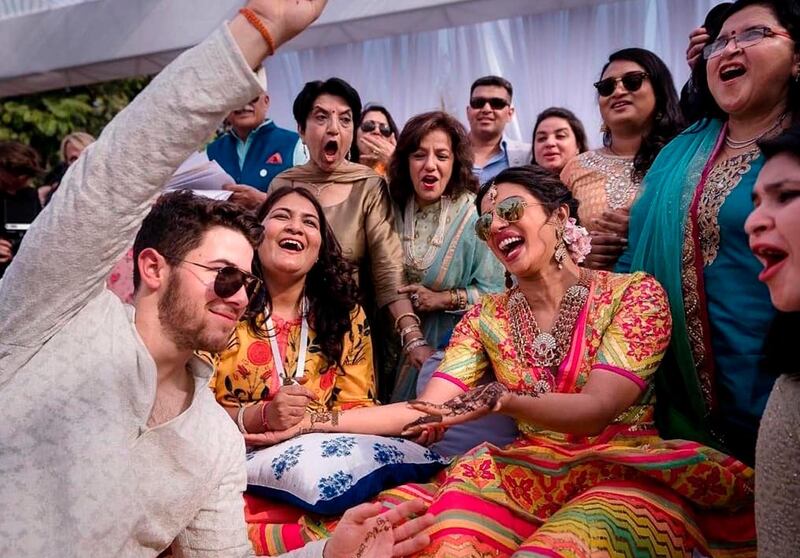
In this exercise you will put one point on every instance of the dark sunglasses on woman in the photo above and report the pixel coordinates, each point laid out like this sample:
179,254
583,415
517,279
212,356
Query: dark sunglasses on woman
632,81
230,279
496,103
509,210
369,125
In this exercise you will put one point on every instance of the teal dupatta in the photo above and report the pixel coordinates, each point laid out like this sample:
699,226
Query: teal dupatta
463,261
712,354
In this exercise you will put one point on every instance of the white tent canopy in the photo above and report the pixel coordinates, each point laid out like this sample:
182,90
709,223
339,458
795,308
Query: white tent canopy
410,55
62,43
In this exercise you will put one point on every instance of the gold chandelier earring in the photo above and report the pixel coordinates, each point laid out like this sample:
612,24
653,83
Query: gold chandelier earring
561,247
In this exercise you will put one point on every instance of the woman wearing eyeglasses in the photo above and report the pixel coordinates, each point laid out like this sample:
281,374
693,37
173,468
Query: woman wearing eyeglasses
640,111
376,138
447,267
573,352
357,205
688,229
304,342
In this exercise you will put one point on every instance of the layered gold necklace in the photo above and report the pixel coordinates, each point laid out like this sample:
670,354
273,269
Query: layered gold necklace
543,350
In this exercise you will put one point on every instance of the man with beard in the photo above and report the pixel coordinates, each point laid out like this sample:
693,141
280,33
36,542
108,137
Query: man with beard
111,443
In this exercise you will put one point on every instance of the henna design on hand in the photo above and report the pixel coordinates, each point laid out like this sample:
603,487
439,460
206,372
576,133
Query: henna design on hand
320,418
422,421
480,398
381,526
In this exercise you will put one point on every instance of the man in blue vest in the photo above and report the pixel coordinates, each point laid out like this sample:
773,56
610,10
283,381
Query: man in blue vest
255,150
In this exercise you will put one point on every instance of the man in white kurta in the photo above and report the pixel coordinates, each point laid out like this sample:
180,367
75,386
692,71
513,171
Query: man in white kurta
84,468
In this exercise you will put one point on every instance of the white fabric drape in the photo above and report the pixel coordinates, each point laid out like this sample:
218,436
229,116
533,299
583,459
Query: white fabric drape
551,59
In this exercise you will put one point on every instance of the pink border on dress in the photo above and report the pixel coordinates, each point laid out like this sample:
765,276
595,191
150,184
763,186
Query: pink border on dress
451,379
570,366
621,372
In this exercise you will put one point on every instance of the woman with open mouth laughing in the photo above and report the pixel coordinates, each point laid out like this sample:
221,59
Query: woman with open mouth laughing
641,113
304,343
774,231
448,269
572,353
356,202
687,229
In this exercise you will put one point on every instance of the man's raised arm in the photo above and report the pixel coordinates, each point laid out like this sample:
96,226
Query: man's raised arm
104,196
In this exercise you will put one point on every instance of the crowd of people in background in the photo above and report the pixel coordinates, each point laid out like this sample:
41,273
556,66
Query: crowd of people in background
584,338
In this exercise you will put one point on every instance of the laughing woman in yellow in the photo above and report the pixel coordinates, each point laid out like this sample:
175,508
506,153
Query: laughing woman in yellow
307,312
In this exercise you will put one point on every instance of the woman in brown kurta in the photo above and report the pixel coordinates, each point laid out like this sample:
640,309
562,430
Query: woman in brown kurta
356,203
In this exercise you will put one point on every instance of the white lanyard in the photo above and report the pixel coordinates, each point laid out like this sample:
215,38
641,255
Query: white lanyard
301,354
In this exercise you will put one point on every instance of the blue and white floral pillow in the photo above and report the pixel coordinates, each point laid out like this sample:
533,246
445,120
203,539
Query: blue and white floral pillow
329,473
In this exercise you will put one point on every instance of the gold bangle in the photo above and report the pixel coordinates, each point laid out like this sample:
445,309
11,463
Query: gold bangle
256,22
406,315
453,299
408,329
414,344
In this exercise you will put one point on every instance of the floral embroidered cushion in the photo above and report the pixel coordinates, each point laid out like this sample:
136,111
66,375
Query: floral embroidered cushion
329,473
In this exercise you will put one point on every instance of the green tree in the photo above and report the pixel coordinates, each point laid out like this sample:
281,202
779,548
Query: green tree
41,120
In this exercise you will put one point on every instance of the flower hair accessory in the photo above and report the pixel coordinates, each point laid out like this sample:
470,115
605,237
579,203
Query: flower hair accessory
577,239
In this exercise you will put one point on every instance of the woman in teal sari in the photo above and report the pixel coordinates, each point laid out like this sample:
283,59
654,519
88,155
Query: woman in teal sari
447,267
687,229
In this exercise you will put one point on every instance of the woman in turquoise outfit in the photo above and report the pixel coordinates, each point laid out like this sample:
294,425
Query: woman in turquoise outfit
687,229
447,267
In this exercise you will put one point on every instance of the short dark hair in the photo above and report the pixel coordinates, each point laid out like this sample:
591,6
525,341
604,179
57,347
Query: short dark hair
572,120
667,118
304,102
399,176
178,221
788,15
19,159
787,142
355,152
495,81
542,184
330,285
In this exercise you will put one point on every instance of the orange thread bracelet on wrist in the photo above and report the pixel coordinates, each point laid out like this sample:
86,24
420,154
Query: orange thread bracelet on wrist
256,22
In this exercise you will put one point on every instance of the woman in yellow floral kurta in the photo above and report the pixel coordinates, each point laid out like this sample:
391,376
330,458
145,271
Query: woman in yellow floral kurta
304,343
246,372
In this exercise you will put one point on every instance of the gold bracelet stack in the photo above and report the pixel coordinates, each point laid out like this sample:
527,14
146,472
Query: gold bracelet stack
458,299
414,344
411,315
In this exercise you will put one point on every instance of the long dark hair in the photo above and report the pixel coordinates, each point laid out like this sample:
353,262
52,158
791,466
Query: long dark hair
415,130
542,184
667,118
788,15
330,285
355,152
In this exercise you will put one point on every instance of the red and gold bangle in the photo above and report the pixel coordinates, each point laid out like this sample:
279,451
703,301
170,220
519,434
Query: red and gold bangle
256,22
